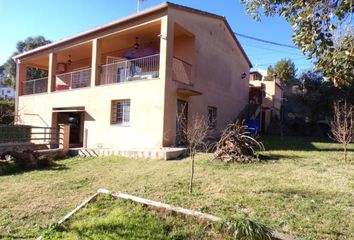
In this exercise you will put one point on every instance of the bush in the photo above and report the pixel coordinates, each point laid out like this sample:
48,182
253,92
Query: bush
7,109
245,229
16,133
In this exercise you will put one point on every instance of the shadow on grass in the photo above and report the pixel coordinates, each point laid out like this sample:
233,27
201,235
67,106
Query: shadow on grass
300,193
276,157
105,231
294,143
16,170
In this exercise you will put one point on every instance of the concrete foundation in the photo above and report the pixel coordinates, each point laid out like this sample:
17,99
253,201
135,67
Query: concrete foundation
162,153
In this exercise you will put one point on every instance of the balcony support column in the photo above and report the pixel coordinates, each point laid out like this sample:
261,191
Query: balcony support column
96,62
169,90
21,75
52,71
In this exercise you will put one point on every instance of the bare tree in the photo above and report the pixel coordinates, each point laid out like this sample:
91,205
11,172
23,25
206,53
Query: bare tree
342,127
194,134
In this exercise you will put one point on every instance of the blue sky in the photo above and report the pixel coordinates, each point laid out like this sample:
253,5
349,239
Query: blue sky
58,19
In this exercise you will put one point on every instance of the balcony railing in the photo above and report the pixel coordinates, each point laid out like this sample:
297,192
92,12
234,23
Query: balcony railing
72,80
34,86
181,71
131,70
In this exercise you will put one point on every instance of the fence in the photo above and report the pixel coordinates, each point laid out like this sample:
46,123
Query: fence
181,71
72,80
47,137
34,86
131,70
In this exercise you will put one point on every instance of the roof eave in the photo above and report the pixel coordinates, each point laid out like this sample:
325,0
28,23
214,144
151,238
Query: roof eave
93,30
139,14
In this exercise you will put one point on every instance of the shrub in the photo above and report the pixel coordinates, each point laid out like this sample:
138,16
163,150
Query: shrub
16,133
7,109
245,229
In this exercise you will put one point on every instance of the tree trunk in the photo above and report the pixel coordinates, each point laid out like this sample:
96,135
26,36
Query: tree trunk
345,152
192,174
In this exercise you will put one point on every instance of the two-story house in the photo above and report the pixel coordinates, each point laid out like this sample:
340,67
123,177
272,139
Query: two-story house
122,85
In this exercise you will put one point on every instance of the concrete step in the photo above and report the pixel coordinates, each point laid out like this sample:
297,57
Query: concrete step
163,153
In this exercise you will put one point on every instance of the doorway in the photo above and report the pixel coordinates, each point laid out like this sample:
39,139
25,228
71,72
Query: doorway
181,122
75,119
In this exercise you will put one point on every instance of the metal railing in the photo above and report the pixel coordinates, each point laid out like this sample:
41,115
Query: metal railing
34,86
131,70
72,80
23,134
181,71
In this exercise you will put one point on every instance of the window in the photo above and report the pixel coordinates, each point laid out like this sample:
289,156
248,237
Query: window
8,91
120,112
212,116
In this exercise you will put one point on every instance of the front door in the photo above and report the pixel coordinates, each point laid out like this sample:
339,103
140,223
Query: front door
181,122
75,120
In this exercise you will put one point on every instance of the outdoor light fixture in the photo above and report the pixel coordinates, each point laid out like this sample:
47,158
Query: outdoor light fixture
136,45
243,75
69,61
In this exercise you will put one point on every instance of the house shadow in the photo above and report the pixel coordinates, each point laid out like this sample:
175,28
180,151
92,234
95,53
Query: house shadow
302,193
297,143
275,157
17,170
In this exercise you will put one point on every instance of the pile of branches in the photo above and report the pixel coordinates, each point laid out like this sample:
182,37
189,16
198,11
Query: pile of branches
237,145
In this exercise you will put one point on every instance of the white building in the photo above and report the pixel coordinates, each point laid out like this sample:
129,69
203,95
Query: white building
7,92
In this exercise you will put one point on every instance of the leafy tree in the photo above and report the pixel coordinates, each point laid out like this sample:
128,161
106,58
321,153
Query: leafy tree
284,69
316,101
9,67
340,62
316,27
312,80
270,74
1,71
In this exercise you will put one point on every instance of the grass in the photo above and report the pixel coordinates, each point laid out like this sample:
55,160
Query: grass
109,218
304,190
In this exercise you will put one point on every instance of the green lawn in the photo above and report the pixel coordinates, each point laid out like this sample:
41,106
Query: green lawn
111,218
305,190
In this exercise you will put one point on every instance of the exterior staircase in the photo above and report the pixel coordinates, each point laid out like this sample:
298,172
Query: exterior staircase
251,111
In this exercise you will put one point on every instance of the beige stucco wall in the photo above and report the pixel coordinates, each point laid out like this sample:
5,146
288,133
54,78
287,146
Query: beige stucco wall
274,93
216,72
146,112
278,95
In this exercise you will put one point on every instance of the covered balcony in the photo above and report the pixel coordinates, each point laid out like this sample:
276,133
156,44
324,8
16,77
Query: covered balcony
73,67
35,76
132,54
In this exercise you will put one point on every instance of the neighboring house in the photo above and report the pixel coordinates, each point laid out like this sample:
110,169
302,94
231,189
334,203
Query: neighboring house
7,92
122,85
268,95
